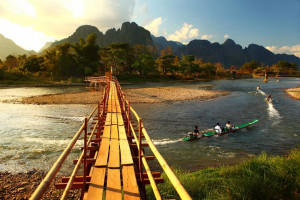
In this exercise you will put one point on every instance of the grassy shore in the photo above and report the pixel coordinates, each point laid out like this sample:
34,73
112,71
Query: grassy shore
263,177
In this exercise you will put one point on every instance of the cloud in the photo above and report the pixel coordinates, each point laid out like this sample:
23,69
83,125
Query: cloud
206,37
185,33
295,50
226,36
154,26
60,18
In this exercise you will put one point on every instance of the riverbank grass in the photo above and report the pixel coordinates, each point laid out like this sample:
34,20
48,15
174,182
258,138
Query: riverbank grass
263,177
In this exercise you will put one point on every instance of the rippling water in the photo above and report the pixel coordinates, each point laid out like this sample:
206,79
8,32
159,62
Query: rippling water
33,136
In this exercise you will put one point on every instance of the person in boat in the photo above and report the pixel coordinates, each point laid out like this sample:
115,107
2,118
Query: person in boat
218,128
258,88
196,131
269,98
228,126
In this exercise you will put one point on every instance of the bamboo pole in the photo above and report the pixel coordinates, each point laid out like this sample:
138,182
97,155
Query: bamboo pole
172,177
140,150
43,186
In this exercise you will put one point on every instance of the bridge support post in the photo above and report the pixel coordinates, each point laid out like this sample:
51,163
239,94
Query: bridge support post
140,150
84,157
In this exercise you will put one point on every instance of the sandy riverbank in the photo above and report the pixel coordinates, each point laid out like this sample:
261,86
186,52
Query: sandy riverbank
140,95
294,92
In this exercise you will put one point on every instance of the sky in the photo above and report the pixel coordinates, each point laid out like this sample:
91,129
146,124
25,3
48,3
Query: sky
274,24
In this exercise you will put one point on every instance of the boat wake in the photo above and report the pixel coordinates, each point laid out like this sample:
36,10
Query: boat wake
261,92
272,111
166,141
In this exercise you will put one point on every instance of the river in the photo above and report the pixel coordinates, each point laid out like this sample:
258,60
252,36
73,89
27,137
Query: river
33,136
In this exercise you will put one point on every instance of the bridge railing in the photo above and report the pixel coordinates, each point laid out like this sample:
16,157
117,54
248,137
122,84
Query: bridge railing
142,159
46,182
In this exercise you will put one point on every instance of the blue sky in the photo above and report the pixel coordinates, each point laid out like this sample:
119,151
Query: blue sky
274,24
264,22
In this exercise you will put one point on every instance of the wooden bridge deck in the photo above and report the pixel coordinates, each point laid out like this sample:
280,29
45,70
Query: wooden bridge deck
113,175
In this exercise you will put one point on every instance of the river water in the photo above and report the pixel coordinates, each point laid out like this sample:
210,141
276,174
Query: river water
33,136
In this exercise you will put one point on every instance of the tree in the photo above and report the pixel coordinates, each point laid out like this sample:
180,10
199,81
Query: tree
10,63
250,66
33,64
143,59
166,64
208,69
87,55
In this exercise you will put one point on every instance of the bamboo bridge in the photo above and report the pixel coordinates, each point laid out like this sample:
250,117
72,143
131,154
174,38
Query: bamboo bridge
113,158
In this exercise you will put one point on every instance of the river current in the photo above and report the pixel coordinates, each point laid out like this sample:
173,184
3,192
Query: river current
33,136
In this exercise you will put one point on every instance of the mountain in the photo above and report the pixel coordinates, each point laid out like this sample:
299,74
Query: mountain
229,53
129,32
8,47
162,43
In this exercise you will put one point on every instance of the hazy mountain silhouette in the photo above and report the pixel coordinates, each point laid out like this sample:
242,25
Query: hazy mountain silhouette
8,47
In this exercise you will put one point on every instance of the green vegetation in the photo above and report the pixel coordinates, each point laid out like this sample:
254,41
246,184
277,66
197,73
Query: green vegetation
69,62
263,177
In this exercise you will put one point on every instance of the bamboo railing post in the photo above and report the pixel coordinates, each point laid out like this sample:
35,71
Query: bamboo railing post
128,119
140,150
84,157
98,132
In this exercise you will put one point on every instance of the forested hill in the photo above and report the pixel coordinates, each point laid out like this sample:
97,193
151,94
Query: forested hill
229,53
129,32
7,47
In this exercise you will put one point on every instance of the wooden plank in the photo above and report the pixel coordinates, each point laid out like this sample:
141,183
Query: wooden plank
114,119
130,187
114,151
108,119
113,188
120,119
96,187
113,106
104,148
126,157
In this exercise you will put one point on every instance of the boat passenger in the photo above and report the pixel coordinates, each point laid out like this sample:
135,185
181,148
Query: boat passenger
269,98
258,88
196,131
228,126
218,128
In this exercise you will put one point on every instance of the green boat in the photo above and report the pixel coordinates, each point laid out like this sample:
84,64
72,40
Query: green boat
213,132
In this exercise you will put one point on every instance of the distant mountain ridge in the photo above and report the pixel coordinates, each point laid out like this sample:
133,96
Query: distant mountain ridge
129,32
8,47
229,53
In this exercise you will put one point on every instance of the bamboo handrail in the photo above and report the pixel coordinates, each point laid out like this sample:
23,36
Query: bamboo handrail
170,174
148,171
43,186
76,168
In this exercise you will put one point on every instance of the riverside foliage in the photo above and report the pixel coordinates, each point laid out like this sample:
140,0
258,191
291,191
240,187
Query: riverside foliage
75,61
263,177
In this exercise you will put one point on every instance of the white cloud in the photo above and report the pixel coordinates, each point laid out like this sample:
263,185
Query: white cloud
285,49
185,33
194,33
206,37
226,36
154,26
60,18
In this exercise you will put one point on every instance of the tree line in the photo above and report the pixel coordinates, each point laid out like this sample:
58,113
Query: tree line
75,61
